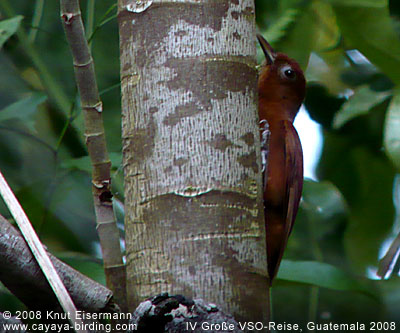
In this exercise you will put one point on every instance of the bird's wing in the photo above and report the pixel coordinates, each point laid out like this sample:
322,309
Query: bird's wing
283,192
294,173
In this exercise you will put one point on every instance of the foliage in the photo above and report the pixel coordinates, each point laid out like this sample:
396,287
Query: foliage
350,50
351,53
8,28
43,155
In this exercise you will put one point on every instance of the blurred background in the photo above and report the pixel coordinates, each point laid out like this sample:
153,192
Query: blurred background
349,127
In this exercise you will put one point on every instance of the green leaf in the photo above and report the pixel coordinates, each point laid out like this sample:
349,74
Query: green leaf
301,39
392,130
278,29
361,3
321,275
81,163
84,264
368,27
8,28
24,109
391,294
372,211
116,159
363,100
327,28
364,175
321,104
324,197
324,205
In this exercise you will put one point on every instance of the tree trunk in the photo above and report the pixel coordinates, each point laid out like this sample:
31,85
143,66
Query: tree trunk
194,213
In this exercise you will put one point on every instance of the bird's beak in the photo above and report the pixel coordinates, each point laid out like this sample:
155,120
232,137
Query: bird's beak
269,52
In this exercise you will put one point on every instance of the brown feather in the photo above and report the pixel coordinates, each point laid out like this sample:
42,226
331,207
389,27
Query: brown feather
280,97
282,190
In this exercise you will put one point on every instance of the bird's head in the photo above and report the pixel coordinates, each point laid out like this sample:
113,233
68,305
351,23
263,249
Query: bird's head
281,80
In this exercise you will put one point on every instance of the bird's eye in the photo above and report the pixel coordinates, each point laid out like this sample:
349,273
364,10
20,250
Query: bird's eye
290,73
287,72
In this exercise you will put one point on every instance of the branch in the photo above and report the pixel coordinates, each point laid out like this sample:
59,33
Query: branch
20,273
96,143
387,263
39,252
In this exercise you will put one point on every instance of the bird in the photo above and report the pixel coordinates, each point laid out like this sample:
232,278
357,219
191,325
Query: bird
281,91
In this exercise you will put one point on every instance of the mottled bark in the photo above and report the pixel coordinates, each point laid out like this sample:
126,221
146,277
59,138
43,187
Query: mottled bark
194,214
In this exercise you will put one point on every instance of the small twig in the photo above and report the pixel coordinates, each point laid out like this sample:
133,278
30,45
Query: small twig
387,262
39,253
89,19
104,20
106,90
37,16
96,143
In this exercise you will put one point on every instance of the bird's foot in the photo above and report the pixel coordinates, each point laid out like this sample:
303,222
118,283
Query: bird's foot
265,133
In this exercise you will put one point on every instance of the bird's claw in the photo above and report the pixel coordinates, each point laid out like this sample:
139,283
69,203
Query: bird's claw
264,143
